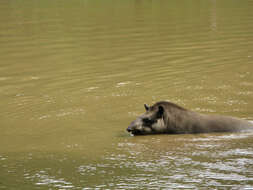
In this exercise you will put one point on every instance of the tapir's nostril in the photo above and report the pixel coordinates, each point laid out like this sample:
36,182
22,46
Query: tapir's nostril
129,129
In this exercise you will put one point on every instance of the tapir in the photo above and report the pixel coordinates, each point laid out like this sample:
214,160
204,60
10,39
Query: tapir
169,118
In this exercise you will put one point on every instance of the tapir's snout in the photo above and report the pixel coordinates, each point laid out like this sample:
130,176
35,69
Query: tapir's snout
129,129
134,128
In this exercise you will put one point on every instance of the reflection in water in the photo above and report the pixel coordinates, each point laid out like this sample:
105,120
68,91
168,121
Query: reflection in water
73,74
176,161
186,161
213,17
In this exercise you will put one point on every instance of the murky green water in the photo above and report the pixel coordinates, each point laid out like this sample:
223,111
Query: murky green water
74,74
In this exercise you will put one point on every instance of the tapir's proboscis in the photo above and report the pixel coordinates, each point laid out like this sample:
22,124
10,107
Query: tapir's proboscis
169,118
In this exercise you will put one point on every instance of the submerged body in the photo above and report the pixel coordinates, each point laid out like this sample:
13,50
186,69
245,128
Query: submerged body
167,117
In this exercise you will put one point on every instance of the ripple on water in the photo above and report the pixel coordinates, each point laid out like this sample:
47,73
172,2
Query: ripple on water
42,178
2,158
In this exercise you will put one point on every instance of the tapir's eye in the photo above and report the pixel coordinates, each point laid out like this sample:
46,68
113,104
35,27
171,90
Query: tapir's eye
148,121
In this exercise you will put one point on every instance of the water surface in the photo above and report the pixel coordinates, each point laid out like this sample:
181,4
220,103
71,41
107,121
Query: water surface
74,74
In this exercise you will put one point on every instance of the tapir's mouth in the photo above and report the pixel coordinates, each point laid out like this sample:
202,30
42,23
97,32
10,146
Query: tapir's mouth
134,131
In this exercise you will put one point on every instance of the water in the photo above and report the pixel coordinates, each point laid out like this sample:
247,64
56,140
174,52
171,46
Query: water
74,74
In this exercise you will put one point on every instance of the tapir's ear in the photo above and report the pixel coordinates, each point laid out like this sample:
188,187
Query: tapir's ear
160,111
146,107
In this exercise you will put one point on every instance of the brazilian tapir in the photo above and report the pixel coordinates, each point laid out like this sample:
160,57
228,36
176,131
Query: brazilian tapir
167,117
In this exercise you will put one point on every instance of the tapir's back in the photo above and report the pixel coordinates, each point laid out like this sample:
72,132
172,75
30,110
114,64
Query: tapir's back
217,123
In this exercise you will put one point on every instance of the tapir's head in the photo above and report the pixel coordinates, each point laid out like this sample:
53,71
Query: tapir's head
151,122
